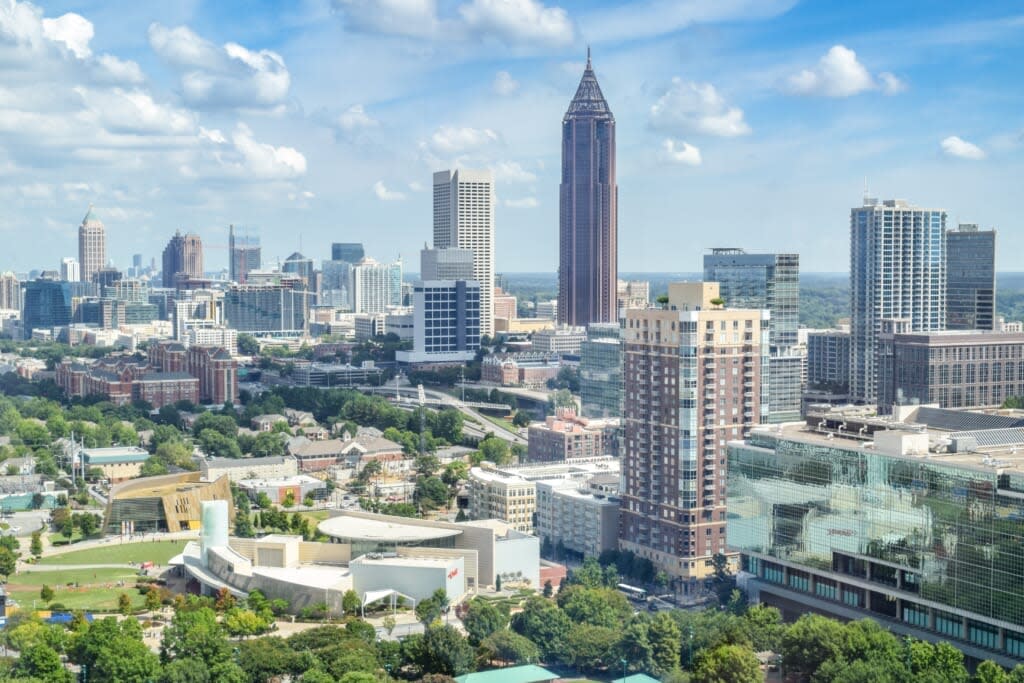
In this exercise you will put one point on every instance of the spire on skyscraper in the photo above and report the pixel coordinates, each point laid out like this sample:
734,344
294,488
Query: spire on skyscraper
588,99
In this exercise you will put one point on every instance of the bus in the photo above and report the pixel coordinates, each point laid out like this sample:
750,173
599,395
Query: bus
632,592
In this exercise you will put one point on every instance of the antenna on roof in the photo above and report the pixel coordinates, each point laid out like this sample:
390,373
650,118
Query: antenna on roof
588,56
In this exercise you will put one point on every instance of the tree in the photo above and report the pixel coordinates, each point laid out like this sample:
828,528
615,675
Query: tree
41,662
125,659
247,345
186,670
216,445
664,635
484,617
549,590
124,604
153,599
594,606
428,611
591,648
546,625
508,648
350,602
36,545
635,646
521,419
243,622
431,492
426,464
445,651
267,444
88,523
8,562
764,627
46,594
809,642
727,664
195,633
495,450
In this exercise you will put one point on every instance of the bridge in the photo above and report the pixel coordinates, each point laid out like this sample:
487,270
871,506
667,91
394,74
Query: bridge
399,395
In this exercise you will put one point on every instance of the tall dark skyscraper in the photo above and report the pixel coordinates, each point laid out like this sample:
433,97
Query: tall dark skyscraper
970,278
350,252
589,213
183,254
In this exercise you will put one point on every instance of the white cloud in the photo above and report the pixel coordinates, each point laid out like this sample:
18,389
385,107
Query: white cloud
400,17
386,195
955,146
123,111
73,30
891,85
680,152
698,108
354,118
455,140
214,136
264,161
504,84
512,172
524,203
518,21
650,18
119,70
228,76
416,186
36,191
840,74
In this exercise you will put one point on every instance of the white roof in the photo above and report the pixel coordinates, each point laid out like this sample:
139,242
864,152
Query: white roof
360,528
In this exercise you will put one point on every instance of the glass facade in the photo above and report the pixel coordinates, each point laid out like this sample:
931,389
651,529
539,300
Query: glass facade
970,278
772,282
601,371
936,546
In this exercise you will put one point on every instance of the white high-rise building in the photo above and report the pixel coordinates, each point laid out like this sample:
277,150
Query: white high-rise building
92,246
897,271
70,270
376,286
464,218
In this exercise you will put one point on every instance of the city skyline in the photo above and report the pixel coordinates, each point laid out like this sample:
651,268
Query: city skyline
175,117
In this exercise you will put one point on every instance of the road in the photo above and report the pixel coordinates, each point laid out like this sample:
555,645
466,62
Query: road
452,402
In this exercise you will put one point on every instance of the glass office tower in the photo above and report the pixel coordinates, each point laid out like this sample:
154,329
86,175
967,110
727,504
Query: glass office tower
970,278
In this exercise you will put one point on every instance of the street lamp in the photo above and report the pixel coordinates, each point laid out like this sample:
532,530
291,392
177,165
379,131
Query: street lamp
624,663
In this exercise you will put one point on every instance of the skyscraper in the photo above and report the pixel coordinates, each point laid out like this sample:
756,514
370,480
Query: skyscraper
244,255
446,264
692,383
767,281
588,209
352,252
464,218
10,292
301,266
92,245
183,254
70,270
970,278
897,271
47,304
376,286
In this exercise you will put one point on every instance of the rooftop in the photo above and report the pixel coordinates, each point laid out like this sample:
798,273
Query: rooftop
242,463
361,528
397,561
528,673
115,454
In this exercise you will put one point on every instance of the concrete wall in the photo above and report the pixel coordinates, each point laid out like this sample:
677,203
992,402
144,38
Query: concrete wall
518,554
469,557
418,582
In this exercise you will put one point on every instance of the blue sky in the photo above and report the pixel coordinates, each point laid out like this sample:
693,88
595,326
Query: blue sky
751,123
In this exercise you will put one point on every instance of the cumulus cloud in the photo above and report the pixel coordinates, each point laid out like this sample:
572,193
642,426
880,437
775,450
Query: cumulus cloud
955,146
110,68
386,195
840,74
518,21
355,118
514,22
524,203
73,30
228,76
697,108
512,172
266,161
124,111
504,84
456,139
680,152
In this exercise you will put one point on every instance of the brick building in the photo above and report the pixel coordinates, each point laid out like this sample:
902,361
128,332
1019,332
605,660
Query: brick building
565,435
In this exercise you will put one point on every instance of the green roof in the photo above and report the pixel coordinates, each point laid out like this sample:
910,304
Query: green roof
528,673
636,678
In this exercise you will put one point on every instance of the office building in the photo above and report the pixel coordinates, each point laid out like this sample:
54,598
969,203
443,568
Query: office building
336,284
953,369
464,218
10,292
244,255
183,258
70,270
828,361
547,309
106,277
601,371
136,265
912,520
47,304
301,266
528,370
447,264
970,278
693,382
506,306
588,210
235,469
897,271
376,286
351,252
566,436
92,245
510,493
772,282
266,310
446,322
561,340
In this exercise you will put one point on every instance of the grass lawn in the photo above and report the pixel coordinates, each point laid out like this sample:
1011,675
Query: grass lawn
501,422
97,589
123,553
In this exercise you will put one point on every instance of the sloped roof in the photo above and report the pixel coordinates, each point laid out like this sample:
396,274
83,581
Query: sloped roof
588,99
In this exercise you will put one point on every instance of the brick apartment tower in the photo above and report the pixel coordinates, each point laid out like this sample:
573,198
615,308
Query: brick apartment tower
692,378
